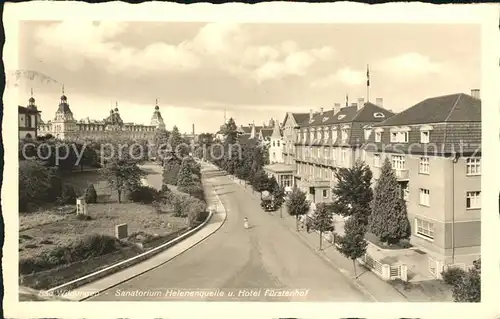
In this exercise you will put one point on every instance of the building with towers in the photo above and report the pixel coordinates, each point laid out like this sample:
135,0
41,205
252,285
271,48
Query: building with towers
28,119
65,126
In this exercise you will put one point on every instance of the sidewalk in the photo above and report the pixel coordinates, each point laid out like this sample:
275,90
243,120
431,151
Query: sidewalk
217,220
367,280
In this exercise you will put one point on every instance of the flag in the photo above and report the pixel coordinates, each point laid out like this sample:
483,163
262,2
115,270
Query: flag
367,75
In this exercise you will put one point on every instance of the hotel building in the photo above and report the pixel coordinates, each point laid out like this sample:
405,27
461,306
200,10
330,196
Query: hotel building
435,151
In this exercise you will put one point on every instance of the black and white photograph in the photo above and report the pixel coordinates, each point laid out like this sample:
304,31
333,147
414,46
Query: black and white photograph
243,161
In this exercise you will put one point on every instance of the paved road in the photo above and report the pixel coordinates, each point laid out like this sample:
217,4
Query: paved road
256,264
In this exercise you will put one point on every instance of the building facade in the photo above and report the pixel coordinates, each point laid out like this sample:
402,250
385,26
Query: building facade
28,120
435,151
328,140
64,126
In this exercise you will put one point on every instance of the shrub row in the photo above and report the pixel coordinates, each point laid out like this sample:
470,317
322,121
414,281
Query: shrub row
91,246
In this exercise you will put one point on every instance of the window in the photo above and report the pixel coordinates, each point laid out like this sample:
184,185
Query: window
424,197
325,193
334,134
344,135
274,143
473,166
403,137
311,135
325,134
376,160
378,137
344,157
278,143
424,165
473,200
326,153
274,156
424,137
424,228
398,162
367,133
318,134
394,137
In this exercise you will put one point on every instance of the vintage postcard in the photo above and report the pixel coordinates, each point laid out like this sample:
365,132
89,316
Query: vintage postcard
305,158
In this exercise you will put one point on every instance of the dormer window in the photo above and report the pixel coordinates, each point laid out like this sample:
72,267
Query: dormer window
378,115
341,116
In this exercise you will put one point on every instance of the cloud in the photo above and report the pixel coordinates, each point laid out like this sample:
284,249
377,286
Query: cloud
408,65
226,47
346,76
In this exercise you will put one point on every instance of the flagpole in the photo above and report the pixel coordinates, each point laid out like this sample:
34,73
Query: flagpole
367,83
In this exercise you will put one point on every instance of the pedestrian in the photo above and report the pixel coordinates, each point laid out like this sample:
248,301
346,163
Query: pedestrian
245,223
308,224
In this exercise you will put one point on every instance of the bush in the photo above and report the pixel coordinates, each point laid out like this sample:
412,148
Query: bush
144,194
170,172
194,208
195,190
452,276
35,184
89,247
91,194
68,195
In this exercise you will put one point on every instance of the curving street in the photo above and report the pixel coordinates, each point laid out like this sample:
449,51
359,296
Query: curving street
256,264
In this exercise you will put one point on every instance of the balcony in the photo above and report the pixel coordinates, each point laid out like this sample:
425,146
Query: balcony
402,174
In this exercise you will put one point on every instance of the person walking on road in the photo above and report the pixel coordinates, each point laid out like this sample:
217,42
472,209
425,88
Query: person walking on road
245,223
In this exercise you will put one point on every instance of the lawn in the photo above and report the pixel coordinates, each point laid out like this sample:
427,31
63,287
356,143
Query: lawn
50,227
61,228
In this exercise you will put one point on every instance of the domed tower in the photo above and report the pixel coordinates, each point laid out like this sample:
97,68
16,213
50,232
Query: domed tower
156,119
64,124
32,106
114,121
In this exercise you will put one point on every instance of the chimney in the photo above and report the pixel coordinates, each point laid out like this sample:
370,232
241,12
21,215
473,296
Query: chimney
336,108
193,129
379,101
475,93
321,110
361,103
310,115
354,104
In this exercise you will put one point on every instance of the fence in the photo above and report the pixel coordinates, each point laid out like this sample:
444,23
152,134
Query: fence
384,271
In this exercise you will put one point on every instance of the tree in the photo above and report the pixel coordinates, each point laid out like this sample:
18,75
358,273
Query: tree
34,183
176,142
352,193
90,194
68,194
353,244
297,204
122,173
322,222
160,140
465,285
260,181
186,172
230,132
389,218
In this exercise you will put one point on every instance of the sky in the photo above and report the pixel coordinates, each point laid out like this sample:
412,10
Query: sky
253,71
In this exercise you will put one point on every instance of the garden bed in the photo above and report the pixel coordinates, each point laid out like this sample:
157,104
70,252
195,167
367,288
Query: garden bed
403,244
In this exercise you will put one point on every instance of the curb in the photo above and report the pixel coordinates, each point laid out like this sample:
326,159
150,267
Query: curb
64,288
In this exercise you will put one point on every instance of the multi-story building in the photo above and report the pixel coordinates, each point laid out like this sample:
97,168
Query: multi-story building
328,140
283,173
28,119
64,126
435,151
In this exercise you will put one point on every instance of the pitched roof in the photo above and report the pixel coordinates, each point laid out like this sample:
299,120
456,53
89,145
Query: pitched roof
246,129
300,117
368,113
458,107
27,110
266,132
